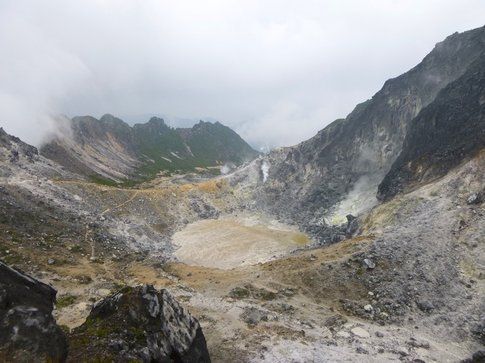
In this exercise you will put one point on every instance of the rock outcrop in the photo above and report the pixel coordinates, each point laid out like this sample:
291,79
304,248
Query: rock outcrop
136,324
139,324
94,148
15,148
447,132
28,332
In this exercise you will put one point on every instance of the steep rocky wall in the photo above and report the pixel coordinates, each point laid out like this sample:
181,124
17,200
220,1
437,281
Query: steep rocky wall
447,132
102,148
344,163
28,332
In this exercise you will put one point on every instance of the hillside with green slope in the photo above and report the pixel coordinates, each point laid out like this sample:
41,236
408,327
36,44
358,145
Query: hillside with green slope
111,151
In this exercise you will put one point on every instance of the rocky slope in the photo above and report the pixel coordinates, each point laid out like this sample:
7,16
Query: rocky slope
337,171
110,150
447,132
405,282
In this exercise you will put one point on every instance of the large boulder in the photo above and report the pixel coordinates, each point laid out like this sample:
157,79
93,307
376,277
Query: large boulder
139,324
28,332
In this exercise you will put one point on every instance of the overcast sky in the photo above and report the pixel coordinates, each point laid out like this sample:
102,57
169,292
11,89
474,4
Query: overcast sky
276,71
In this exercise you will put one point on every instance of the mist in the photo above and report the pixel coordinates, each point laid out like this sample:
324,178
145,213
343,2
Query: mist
275,71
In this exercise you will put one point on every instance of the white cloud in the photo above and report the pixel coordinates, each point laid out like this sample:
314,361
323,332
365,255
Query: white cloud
277,71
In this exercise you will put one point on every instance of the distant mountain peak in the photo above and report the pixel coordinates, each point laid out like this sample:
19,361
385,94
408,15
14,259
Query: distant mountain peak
110,148
157,121
107,117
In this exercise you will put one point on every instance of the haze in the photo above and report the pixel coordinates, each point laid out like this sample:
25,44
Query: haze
275,71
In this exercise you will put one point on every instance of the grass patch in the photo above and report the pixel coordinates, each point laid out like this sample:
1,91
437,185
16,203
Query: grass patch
239,293
65,300
249,291
102,181
77,249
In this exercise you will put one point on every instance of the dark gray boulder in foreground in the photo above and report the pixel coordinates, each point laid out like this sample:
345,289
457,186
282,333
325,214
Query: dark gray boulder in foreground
28,332
139,324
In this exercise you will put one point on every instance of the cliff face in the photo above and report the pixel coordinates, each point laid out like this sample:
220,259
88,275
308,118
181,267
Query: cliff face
447,132
109,148
337,171
95,148
28,332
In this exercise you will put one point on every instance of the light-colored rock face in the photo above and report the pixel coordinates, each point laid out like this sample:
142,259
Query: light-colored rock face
105,157
360,332
449,131
19,159
93,147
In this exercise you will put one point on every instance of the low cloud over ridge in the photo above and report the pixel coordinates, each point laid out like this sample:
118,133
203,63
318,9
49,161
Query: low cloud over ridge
276,71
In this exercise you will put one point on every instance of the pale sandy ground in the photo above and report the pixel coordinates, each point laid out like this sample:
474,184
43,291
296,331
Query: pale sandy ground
231,241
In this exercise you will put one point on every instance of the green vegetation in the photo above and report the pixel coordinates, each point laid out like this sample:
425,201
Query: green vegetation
182,150
77,249
65,300
252,292
239,293
65,328
97,179
12,258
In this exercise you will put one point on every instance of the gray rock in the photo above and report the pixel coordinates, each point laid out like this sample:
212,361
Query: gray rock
479,330
474,198
335,321
415,343
343,334
139,324
369,264
425,306
252,316
28,332
477,357
352,225
361,350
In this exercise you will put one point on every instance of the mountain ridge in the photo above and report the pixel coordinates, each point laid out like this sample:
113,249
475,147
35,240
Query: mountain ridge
337,171
111,149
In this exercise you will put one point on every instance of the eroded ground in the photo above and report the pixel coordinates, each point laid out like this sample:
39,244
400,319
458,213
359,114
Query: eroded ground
280,311
319,304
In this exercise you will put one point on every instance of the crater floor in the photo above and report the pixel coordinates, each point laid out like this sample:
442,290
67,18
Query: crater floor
236,240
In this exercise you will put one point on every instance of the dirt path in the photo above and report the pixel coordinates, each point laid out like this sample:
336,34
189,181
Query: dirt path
122,204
